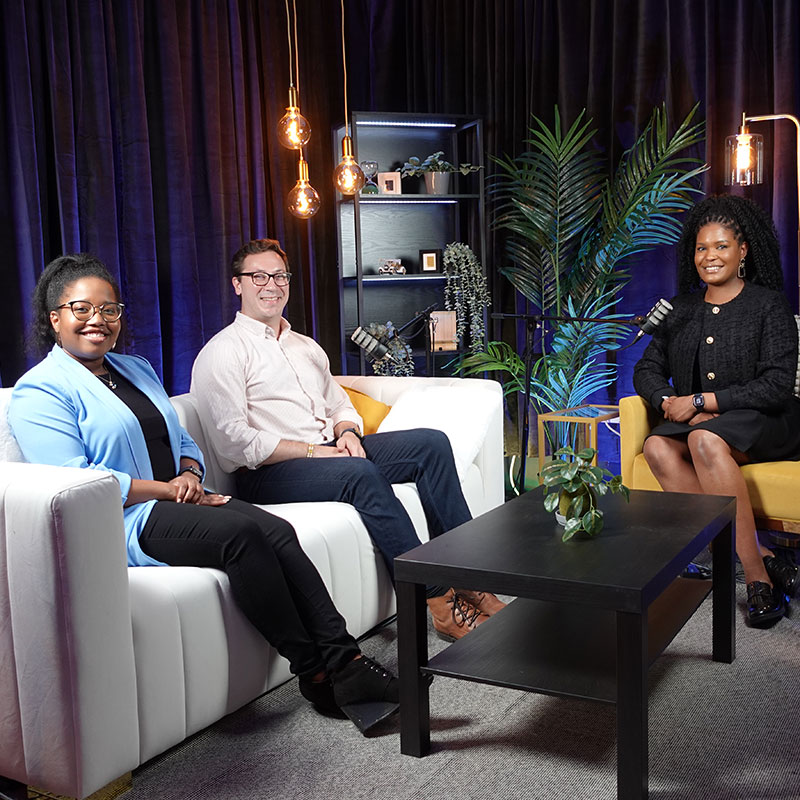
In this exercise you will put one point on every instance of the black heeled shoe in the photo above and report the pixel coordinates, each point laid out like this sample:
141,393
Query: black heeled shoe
783,574
765,604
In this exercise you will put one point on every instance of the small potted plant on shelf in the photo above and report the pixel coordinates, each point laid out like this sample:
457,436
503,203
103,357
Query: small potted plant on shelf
576,486
436,170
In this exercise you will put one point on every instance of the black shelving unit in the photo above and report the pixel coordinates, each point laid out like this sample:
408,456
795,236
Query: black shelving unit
380,226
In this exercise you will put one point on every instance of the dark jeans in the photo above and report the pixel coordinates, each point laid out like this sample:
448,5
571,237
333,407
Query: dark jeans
422,455
276,586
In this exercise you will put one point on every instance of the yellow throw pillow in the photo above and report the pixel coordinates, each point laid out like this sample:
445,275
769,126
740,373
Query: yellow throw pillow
370,410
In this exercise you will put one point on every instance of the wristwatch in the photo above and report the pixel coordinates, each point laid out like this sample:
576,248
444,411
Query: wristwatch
698,402
196,472
356,431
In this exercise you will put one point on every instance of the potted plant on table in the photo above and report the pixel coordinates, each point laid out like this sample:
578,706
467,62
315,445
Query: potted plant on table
572,488
436,170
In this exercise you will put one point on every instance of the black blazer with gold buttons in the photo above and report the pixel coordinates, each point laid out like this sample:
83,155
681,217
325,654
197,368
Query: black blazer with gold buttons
746,350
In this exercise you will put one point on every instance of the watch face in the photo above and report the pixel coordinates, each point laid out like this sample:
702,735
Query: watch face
698,401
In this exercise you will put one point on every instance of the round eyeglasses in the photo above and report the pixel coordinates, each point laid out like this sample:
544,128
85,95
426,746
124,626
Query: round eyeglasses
262,278
83,310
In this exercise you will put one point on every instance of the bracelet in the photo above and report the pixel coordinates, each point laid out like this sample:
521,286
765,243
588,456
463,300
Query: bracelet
310,451
196,472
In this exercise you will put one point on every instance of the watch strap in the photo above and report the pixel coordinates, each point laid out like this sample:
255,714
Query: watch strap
196,472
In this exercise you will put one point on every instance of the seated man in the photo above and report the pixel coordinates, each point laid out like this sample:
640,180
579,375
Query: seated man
290,433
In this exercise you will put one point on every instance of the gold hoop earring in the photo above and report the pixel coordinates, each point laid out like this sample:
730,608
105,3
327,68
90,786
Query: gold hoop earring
741,271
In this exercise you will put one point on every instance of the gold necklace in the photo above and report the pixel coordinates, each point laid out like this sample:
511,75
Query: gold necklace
106,377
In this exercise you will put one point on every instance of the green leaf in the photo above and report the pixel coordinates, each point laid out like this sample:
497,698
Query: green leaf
587,454
551,502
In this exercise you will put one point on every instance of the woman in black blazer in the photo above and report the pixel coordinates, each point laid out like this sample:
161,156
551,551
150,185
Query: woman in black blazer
721,370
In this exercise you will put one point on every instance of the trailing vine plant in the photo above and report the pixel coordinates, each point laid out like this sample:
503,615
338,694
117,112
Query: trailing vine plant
466,293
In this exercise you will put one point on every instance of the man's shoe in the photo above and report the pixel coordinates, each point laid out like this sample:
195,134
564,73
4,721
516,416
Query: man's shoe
486,602
783,574
366,692
454,616
765,604
320,695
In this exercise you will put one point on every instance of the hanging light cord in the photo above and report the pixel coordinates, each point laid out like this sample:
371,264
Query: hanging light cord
289,40
344,70
296,54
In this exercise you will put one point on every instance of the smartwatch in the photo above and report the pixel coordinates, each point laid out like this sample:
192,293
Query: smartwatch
698,402
196,472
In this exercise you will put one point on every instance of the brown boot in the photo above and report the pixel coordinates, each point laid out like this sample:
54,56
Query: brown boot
486,602
453,616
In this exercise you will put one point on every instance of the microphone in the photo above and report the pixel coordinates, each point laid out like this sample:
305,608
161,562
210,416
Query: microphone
654,317
375,347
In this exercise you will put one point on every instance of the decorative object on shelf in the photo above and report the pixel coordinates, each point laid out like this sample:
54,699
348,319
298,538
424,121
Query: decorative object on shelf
294,130
444,337
430,260
744,157
347,176
303,200
466,293
370,170
576,487
436,170
389,183
568,223
391,266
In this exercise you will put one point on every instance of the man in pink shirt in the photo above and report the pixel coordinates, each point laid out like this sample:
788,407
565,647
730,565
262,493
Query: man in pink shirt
290,433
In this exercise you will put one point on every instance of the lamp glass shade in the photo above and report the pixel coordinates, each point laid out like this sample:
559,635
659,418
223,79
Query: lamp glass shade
294,130
303,201
744,159
348,176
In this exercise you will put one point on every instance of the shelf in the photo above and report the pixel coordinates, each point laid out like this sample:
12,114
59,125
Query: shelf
394,279
410,199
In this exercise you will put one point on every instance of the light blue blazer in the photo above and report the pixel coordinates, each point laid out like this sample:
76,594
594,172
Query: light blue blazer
61,414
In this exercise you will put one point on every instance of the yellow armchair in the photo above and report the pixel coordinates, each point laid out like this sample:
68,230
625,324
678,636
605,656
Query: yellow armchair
774,486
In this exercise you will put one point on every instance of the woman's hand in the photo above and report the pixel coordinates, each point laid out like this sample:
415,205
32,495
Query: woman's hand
187,488
213,499
702,417
679,409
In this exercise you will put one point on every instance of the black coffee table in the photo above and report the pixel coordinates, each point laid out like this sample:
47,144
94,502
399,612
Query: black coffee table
591,615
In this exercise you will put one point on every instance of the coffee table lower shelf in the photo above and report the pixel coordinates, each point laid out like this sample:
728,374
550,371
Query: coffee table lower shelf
562,649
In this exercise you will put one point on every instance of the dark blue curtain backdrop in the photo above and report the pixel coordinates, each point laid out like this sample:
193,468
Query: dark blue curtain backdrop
143,131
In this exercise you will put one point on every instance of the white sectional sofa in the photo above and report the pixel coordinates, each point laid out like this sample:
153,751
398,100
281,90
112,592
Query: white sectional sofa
103,667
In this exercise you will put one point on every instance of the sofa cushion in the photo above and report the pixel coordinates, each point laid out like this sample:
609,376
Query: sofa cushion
371,411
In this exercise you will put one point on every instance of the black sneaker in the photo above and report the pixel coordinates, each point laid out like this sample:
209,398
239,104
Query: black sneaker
783,574
367,692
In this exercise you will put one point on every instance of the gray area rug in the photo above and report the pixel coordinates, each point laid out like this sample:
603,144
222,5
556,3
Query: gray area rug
717,732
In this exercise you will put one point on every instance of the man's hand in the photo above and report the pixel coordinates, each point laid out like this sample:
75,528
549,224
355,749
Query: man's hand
350,445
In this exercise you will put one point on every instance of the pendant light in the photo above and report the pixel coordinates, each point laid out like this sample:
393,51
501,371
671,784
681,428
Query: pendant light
303,200
294,130
348,176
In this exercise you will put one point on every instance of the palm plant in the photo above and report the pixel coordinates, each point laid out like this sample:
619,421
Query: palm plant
570,226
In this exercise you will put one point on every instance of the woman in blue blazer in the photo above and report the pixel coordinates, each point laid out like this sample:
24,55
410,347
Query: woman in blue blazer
84,406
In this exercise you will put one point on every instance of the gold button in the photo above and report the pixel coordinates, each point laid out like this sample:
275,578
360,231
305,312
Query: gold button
709,340
711,376
715,310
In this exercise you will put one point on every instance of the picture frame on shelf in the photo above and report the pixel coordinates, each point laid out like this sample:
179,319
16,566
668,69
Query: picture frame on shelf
389,183
430,261
444,337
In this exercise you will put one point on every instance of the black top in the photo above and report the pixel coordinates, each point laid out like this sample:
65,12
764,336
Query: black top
154,426
747,351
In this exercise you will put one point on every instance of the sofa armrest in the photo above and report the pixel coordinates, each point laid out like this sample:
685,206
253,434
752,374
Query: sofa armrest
69,719
635,421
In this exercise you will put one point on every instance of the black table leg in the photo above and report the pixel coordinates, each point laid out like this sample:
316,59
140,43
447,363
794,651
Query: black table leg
631,706
723,621
412,653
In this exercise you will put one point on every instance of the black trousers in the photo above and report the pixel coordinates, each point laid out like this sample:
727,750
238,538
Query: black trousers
273,581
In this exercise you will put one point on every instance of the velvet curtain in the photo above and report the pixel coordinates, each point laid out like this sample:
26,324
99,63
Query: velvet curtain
144,131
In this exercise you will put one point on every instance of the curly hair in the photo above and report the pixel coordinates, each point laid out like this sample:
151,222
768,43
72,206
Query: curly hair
254,247
749,223
60,273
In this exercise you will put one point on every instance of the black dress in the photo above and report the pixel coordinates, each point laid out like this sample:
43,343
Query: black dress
745,351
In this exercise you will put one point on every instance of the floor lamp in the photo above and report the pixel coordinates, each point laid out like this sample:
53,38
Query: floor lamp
744,161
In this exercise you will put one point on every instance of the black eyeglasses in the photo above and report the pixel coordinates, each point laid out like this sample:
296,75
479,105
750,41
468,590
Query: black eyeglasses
262,278
83,310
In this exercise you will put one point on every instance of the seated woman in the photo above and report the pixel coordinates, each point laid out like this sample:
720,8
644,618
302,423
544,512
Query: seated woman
730,350
83,406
